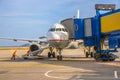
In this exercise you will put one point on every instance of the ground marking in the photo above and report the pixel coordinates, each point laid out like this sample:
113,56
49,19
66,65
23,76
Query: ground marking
46,74
115,74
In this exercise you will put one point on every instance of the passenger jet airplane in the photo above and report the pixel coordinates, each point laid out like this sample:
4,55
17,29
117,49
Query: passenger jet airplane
57,37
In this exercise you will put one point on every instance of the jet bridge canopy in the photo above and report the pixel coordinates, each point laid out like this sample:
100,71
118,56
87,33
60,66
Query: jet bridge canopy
69,25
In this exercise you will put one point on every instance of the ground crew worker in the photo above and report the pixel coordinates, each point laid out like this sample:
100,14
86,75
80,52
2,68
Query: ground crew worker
14,55
28,52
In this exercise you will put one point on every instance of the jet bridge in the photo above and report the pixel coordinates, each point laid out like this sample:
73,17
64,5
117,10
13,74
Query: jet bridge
69,25
95,30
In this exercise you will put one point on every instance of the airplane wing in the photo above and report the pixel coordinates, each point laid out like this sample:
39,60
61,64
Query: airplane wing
27,40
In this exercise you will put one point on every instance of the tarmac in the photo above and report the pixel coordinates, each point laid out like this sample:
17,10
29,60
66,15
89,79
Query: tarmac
73,67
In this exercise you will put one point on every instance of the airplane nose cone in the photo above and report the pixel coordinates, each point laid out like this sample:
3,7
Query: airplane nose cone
51,36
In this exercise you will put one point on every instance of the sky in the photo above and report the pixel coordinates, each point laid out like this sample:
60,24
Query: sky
31,19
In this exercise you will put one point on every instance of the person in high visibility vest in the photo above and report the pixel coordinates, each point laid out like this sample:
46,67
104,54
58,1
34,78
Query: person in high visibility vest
14,55
28,52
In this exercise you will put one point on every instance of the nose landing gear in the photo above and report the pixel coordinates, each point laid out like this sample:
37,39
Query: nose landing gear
59,57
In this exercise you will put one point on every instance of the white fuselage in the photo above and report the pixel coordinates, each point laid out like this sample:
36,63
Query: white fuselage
58,36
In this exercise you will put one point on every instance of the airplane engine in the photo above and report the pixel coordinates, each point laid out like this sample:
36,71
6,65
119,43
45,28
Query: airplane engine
35,49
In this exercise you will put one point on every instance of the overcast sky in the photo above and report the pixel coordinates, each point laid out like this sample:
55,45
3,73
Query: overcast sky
32,18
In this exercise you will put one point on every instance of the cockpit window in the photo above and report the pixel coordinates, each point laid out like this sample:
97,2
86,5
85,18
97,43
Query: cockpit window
66,30
63,29
52,29
58,29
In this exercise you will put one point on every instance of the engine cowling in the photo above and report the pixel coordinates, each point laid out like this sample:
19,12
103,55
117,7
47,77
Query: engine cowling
35,49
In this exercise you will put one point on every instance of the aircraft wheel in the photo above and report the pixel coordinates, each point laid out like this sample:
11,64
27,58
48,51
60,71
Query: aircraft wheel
49,54
25,58
91,54
53,54
111,59
59,57
86,54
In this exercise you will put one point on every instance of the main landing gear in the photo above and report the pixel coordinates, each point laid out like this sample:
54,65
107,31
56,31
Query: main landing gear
51,53
89,53
88,50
